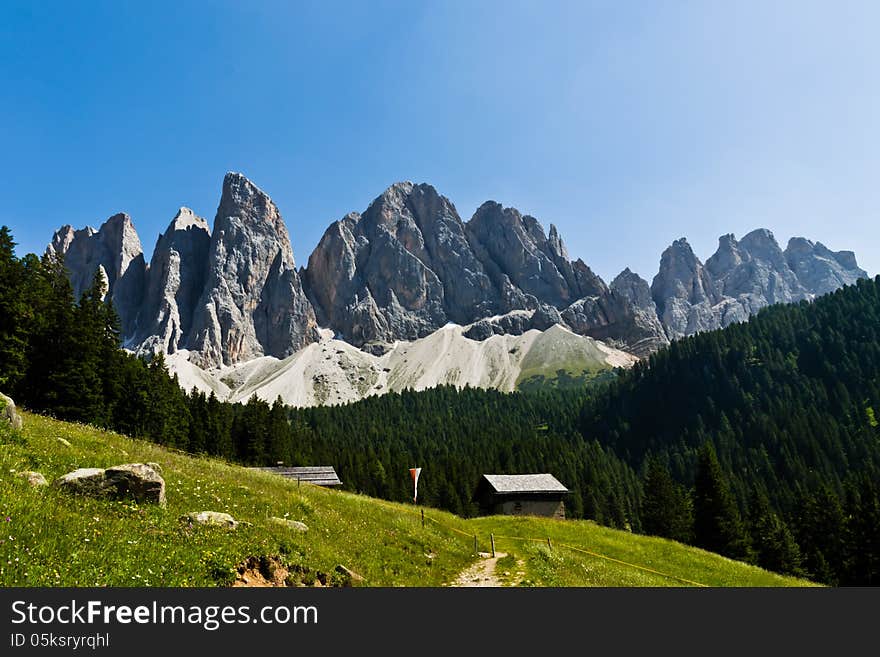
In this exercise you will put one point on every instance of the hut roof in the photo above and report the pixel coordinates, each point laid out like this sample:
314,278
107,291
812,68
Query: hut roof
525,483
320,475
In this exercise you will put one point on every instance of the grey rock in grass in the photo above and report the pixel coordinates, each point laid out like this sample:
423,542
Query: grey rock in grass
83,481
137,481
296,525
348,576
211,519
35,479
8,413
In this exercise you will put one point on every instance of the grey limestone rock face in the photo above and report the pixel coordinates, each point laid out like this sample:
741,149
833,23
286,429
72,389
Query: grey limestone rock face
398,271
684,292
174,283
252,289
756,268
819,269
116,250
518,255
742,277
408,265
625,316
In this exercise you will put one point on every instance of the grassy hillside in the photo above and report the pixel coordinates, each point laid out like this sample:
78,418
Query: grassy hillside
48,538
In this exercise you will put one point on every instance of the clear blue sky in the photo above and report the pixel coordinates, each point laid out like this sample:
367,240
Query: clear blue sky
626,124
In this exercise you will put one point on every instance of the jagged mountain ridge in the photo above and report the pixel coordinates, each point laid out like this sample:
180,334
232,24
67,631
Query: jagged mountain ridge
409,265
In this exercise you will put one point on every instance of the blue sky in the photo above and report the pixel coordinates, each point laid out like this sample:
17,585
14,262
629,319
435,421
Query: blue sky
627,125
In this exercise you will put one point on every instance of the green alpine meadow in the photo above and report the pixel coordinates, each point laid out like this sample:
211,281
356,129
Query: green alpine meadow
53,538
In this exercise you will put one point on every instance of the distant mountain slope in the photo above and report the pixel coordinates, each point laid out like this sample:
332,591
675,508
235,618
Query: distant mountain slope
332,371
406,267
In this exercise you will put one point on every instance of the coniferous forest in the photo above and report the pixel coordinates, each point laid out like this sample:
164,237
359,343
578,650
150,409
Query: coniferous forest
759,441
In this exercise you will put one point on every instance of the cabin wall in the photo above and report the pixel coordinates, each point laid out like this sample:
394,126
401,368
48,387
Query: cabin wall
545,508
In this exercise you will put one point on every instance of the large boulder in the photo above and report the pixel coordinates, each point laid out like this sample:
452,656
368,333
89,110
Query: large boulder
137,481
8,414
83,481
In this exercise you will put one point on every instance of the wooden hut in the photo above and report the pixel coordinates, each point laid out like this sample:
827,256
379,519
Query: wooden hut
319,475
521,494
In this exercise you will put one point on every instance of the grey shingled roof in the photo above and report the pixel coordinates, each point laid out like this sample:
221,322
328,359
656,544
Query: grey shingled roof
320,475
525,483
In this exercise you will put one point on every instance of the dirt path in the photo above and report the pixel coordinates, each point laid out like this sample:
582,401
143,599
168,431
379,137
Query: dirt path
481,573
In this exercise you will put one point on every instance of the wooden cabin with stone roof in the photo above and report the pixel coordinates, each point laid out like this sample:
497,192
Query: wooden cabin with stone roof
521,495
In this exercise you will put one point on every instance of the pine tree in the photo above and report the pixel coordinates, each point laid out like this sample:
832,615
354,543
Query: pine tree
774,545
666,506
15,315
278,439
718,526
51,347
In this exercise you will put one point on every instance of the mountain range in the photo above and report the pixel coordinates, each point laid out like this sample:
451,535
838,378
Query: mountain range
408,266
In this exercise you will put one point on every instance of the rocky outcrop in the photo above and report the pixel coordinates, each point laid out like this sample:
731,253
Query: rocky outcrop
684,292
741,278
526,265
82,481
253,303
8,415
625,317
516,322
137,481
174,283
819,269
409,265
115,250
129,481
399,271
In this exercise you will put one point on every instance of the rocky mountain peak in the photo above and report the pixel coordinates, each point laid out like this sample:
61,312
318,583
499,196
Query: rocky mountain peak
819,269
115,248
186,218
762,245
727,257
557,246
175,282
249,237
62,239
633,288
